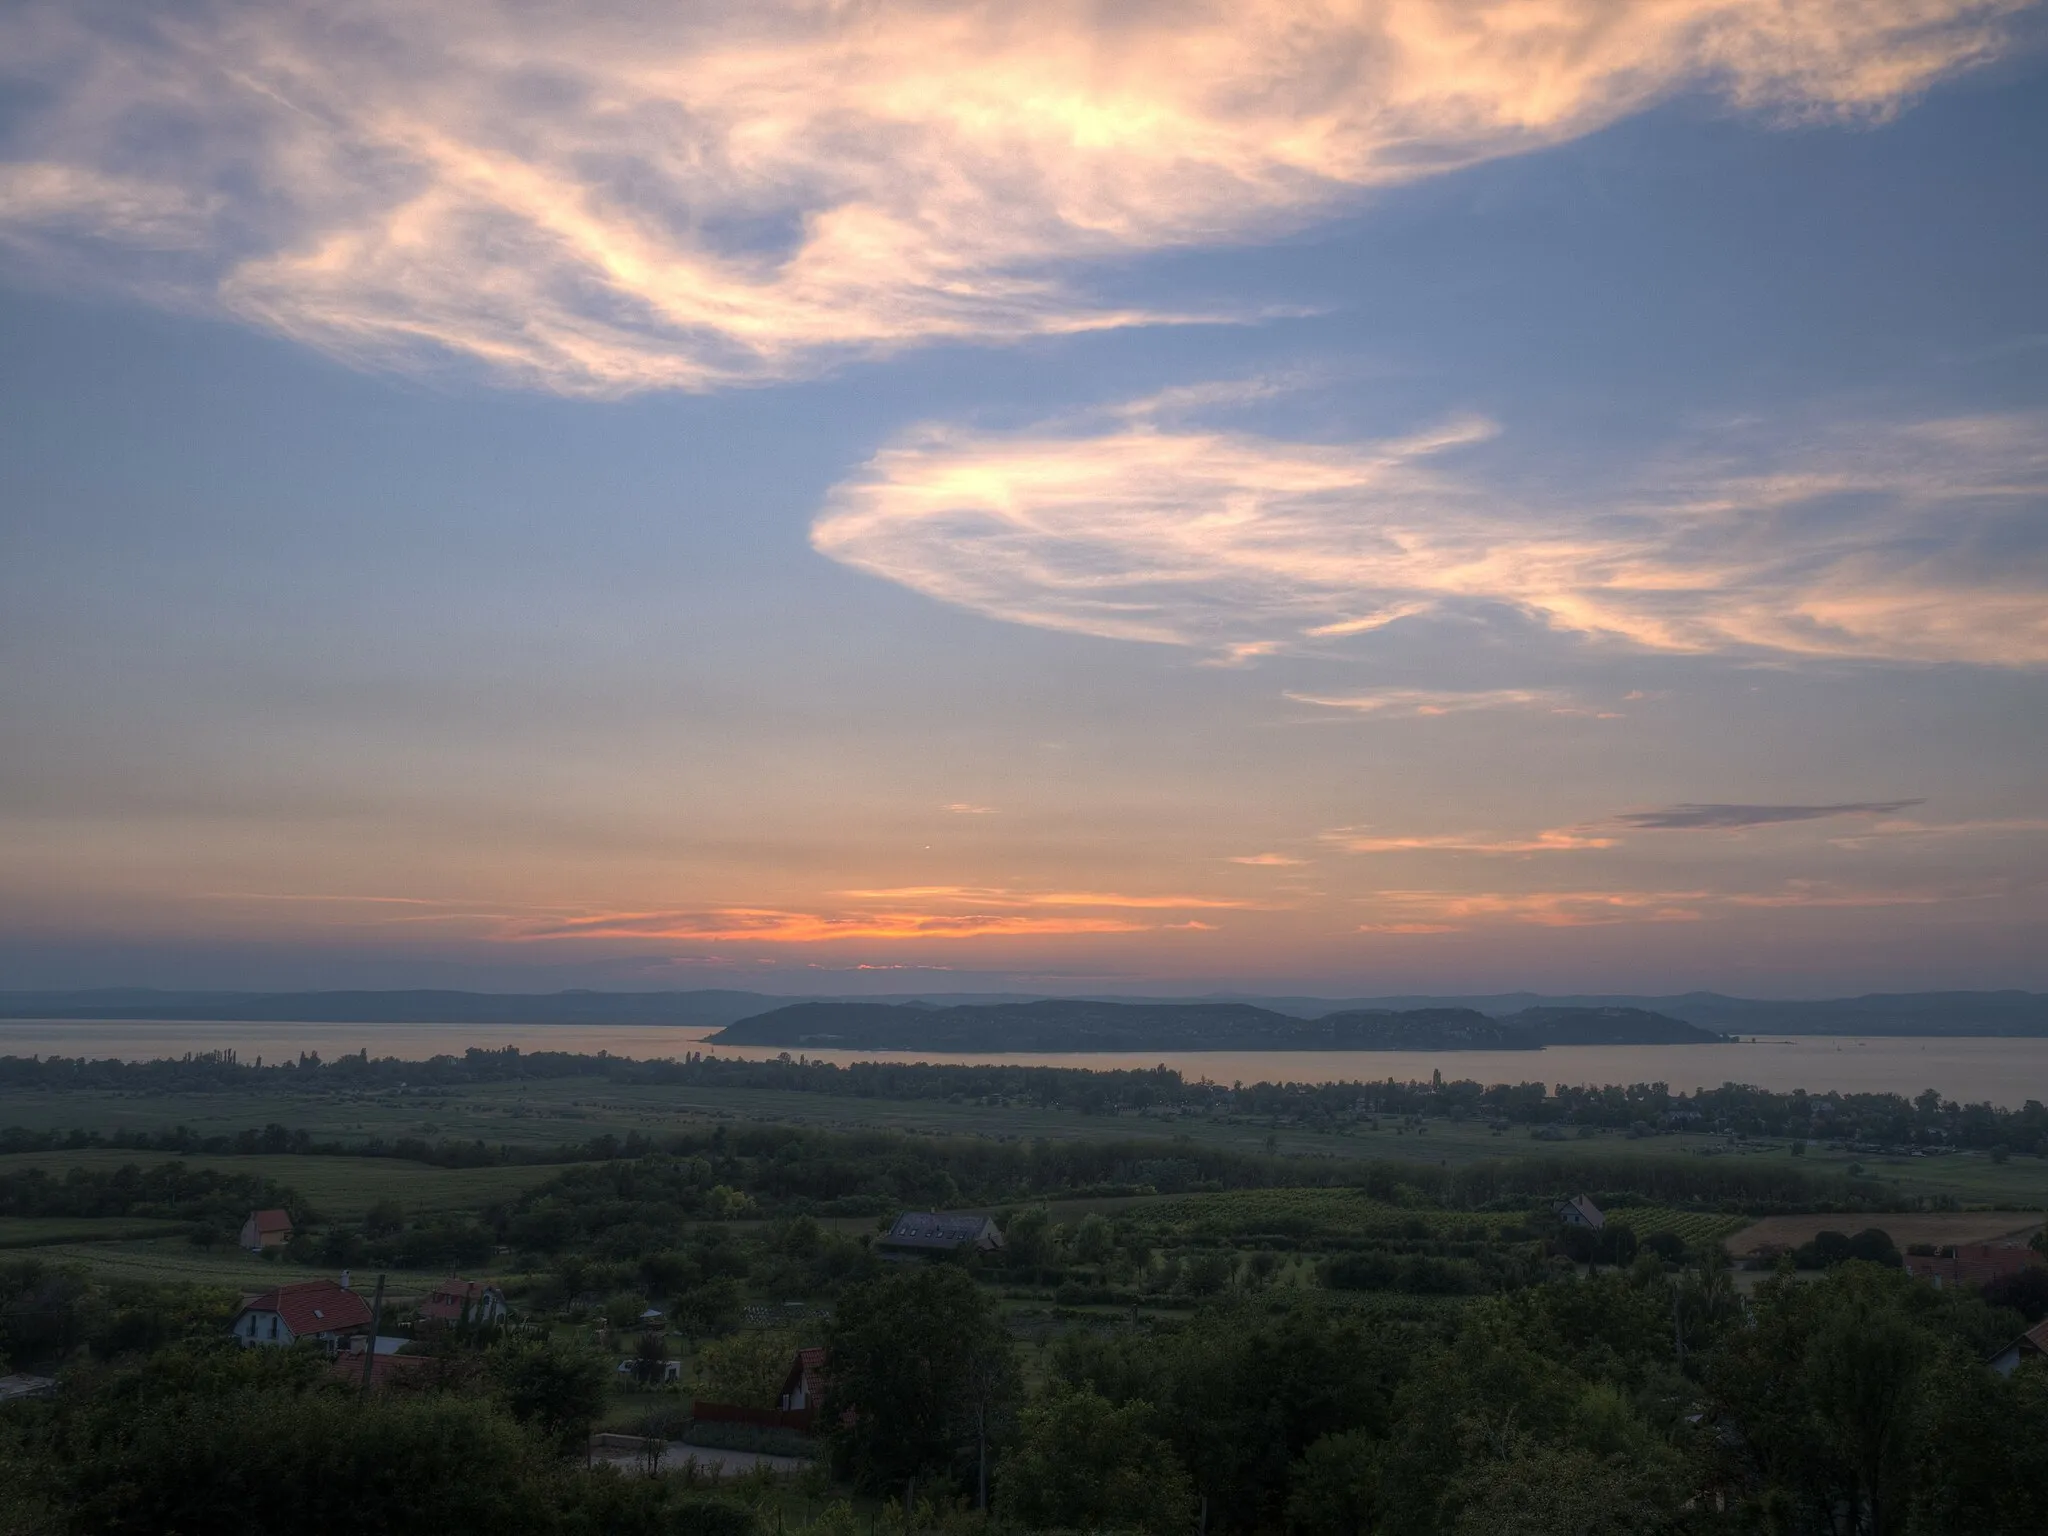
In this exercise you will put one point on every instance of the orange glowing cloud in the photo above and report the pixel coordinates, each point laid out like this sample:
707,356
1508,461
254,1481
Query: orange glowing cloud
767,925
632,194
1558,840
999,897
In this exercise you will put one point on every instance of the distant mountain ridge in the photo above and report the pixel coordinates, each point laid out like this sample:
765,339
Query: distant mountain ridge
1930,1014
1076,1025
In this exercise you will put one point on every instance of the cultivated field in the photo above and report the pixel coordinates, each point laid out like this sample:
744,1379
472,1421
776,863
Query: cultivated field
1937,1227
38,1231
338,1187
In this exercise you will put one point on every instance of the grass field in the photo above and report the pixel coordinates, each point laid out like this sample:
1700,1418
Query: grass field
40,1231
173,1260
340,1187
1350,1213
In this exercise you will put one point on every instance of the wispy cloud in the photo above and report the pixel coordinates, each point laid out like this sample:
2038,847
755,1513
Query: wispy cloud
1437,911
1449,911
1268,860
765,925
1717,818
1556,840
962,808
1432,701
1244,545
1002,897
636,194
1906,828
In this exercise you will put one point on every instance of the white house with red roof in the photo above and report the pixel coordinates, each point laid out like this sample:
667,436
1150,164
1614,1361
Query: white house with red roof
311,1309
266,1229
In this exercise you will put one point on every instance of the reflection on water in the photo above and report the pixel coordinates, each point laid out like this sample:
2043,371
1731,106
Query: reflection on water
2005,1072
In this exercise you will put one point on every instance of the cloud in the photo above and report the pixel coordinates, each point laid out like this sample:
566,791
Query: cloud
961,808
637,194
1557,840
1907,828
1449,911
1426,911
765,925
1428,701
1716,818
1000,897
1267,860
1920,541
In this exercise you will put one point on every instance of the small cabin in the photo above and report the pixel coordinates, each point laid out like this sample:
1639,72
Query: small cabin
1581,1212
805,1383
266,1229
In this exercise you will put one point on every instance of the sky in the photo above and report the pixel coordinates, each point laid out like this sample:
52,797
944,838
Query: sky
1403,496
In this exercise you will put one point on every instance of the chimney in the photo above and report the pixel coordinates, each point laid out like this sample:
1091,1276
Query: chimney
344,1279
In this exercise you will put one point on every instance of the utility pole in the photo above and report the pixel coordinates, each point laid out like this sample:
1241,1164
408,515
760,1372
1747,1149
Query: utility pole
376,1322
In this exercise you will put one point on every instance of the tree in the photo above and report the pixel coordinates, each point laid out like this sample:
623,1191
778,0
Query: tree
1334,1488
650,1356
917,1371
1084,1463
559,1392
1094,1239
749,1368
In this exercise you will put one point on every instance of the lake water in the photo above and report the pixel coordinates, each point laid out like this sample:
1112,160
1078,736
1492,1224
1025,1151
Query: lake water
2004,1072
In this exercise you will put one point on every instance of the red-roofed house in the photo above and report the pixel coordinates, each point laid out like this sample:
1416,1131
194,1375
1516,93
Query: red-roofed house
2030,1345
455,1300
312,1309
266,1229
1972,1263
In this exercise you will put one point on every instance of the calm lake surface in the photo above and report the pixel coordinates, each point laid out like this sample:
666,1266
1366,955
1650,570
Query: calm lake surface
2004,1072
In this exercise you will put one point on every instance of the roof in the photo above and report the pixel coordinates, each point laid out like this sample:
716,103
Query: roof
937,1230
271,1221
1588,1211
1974,1263
451,1296
2033,1342
314,1306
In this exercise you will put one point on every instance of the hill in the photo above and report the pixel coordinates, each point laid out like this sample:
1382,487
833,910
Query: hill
1077,1025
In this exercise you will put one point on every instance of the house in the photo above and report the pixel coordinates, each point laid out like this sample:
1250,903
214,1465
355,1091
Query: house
311,1309
805,1383
457,1301
1972,1263
934,1232
266,1229
1581,1212
2030,1345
